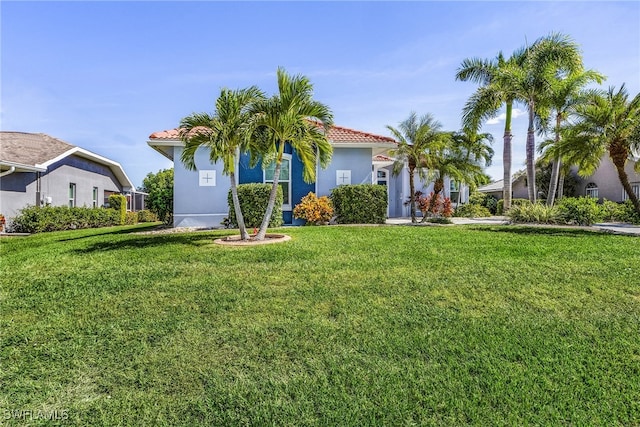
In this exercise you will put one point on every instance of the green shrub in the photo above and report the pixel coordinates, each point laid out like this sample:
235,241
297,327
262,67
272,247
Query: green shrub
119,203
131,218
533,212
147,216
514,202
438,220
34,219
612,211
253,202
631,215
471,210
579,210
360,204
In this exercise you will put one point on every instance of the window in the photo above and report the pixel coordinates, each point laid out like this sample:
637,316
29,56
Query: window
72,195
635,186
592,190
95,197
454,190
382,177
284,180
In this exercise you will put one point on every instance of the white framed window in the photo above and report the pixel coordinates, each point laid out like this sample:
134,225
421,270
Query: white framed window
635,186
95,197
284,180
591,190
381,177
343,177
72,195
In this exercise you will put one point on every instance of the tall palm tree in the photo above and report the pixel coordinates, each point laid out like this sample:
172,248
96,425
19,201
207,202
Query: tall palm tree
565,95
609,123
548,58
224,134
417,139
498,79
294,117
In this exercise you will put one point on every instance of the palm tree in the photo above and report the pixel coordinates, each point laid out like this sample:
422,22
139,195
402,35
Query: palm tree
224,134
499,79
566,94
474,148
609,123
548,57
294,117
417,138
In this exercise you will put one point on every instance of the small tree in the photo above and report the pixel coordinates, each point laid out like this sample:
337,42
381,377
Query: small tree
159,186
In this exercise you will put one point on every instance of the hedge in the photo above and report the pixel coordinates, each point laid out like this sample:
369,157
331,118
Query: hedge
253,202
360,204
34,219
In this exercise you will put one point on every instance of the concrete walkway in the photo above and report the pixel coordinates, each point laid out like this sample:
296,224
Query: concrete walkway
607,227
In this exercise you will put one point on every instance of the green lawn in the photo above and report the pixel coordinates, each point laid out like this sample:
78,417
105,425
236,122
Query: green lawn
339,326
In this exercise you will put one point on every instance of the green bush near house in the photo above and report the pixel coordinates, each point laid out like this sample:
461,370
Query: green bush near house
130,218
579,210
360,204
119,203
514,202
471,210
34,219
534,212
253,202
147,216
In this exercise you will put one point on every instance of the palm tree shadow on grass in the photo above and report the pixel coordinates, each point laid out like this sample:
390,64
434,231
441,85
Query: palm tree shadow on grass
147,241
109,230
543,231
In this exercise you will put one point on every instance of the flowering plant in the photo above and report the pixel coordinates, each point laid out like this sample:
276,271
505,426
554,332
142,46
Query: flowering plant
314,209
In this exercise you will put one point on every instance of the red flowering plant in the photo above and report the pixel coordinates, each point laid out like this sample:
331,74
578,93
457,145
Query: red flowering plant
434,206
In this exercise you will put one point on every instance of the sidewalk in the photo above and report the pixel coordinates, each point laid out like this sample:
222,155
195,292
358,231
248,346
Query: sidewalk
608,227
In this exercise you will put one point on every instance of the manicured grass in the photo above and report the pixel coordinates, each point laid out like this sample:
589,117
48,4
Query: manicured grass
339,326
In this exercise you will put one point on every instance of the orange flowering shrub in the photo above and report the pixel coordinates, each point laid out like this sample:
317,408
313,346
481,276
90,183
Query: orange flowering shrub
313,209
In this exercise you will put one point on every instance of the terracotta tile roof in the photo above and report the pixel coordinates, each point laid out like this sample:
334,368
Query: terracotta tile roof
383,158
336,134
30,148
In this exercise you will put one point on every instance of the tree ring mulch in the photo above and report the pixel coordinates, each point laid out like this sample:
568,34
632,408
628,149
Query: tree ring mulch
236,240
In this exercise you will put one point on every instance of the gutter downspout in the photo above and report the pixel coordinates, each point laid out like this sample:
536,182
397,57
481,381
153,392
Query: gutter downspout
11,170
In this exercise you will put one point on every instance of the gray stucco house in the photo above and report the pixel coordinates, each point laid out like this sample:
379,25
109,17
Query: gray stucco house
200,197
37,169
602,184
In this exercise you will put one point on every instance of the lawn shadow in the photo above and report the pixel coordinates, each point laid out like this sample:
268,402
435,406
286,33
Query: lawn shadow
151,240
109,230
543,230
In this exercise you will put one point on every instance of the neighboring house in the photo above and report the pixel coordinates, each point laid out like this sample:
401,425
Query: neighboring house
37,169
200,197
602,184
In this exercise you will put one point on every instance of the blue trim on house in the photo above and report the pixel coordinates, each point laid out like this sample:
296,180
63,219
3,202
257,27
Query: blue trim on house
299,188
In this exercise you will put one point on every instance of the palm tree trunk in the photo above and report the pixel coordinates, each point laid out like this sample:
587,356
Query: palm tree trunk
262,232
561,185
236,207
619,161
555,167
438,186
412,196
506,160
530,150
553,182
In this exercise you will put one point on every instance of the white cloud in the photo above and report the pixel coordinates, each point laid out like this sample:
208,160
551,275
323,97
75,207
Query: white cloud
499,119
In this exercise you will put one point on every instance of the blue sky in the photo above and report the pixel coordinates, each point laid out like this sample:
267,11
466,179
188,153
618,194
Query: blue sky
105,75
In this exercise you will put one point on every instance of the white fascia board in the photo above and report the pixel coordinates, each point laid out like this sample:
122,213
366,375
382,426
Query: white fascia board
159,146
22,167
115,167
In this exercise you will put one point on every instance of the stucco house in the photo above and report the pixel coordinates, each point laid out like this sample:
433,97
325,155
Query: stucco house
200,197
602,184
37,169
